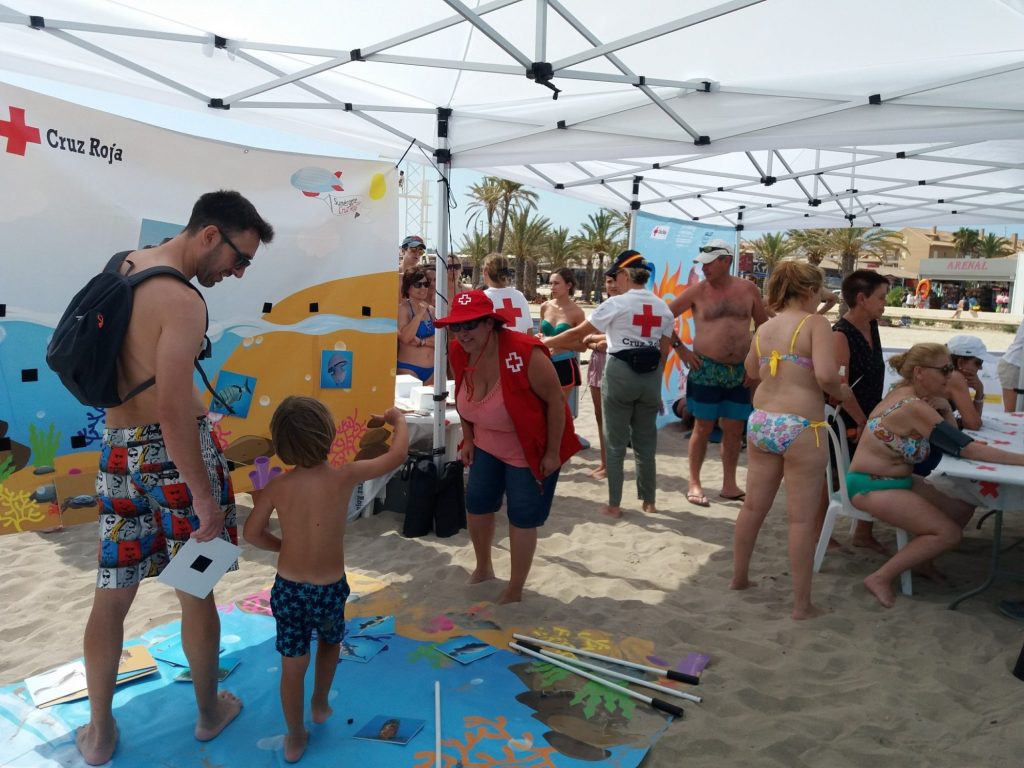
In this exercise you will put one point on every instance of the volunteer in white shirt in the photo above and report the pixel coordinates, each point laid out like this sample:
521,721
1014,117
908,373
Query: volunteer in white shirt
638,328
507,300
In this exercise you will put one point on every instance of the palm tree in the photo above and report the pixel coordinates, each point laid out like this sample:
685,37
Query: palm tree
993,247
848,244
599,237
559,248
512,198
474,246
771,249
808,242
485,198
526,236
966,241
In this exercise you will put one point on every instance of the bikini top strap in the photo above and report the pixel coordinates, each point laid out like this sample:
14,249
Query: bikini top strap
757,342
792,341
895,406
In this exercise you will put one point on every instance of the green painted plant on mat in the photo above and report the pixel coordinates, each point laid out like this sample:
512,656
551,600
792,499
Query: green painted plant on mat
44,445
592,695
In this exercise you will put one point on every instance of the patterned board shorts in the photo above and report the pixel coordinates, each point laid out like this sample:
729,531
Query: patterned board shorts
146,507
300,608
715,390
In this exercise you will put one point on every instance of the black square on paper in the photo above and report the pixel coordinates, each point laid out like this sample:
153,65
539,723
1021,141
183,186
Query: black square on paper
201,563
366,312
29,374
78,441
267,306
3,310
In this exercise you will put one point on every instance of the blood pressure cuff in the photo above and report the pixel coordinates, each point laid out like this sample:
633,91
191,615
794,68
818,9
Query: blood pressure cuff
948,439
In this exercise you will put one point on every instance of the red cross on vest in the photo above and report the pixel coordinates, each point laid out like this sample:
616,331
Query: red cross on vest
647,321
19,134
514,312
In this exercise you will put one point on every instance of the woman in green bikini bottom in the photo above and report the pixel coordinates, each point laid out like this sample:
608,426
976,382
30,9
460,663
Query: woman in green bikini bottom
900,432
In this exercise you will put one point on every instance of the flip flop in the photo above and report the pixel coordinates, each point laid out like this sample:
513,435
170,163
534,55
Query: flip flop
737,497
698,499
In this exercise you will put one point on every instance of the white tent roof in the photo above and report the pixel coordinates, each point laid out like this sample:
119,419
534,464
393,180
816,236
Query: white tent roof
760,113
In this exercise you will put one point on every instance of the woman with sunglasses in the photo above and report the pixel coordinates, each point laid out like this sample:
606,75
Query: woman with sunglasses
966,392
416,327
516,428
900,432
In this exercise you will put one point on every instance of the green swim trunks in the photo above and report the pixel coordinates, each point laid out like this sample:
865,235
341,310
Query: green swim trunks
860,482
715,390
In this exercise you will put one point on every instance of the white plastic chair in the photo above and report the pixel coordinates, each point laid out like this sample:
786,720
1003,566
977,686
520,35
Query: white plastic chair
839,502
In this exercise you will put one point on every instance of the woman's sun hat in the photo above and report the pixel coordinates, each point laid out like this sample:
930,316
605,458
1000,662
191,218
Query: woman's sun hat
471,305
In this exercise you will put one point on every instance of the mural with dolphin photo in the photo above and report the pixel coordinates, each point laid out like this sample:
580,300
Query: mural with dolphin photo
320,295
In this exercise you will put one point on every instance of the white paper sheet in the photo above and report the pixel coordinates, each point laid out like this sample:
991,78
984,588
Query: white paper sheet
198,566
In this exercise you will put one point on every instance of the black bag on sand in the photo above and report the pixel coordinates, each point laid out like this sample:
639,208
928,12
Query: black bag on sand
435,502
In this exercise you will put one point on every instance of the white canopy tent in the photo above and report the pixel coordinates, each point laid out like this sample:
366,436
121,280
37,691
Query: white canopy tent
753,113
757,114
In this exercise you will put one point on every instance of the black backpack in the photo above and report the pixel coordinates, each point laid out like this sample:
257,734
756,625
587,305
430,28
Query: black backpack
87,341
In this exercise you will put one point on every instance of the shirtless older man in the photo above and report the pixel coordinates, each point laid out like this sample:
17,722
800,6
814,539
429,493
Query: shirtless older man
162,478
723,307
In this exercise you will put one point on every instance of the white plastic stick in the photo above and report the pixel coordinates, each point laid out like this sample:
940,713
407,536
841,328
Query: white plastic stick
671,674
627,678
664,706
437,723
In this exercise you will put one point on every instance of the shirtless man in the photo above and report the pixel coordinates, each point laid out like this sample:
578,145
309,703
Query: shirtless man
149,505
716,387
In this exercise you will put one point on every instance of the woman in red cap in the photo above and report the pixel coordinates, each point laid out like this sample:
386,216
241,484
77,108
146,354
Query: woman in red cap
516,428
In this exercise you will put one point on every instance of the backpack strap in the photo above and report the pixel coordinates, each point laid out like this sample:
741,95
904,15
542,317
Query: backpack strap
114,265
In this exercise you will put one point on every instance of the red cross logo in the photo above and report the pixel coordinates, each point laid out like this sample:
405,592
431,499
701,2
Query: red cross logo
647,321
989,488
513,312
464,299
514,362
19,133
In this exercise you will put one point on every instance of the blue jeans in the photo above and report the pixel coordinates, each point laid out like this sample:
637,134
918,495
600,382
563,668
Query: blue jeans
490,479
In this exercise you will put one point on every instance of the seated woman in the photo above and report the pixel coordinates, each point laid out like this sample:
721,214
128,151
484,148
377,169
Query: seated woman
558,314
416,327
793,357
515,460
902,431
966,353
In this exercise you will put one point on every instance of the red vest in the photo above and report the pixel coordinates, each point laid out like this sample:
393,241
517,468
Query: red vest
527,410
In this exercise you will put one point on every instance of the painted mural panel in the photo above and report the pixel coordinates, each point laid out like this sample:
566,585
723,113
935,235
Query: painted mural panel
80,185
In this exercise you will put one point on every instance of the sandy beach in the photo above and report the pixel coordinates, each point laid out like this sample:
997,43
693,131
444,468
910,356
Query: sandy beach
914,685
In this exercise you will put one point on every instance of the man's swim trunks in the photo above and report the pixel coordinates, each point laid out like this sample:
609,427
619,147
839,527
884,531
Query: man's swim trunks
715,390
300,608
145,506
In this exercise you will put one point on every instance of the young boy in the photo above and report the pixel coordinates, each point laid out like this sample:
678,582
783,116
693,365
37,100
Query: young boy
310,589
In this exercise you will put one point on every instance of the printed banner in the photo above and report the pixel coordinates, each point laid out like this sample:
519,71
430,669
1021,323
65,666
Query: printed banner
671,246
314,314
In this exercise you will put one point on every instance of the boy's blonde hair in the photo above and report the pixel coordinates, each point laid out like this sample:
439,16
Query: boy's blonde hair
303,431
792,280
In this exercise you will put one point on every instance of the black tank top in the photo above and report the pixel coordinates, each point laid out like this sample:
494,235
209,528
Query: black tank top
866,369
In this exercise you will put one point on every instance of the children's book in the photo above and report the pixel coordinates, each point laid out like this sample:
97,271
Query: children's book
360,649
67,682
466,649
372,626
390,729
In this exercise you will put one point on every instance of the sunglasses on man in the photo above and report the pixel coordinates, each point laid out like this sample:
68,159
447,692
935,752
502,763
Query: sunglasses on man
242,259
713,249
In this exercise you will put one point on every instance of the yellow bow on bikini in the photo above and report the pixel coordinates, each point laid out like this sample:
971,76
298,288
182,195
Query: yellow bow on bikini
773,361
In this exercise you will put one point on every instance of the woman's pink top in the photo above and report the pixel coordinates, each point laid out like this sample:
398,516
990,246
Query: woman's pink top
493,429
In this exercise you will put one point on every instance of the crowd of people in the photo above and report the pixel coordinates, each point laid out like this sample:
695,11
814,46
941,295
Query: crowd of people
760,370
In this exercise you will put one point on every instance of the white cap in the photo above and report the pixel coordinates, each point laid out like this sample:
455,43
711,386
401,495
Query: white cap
712,251
966,346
